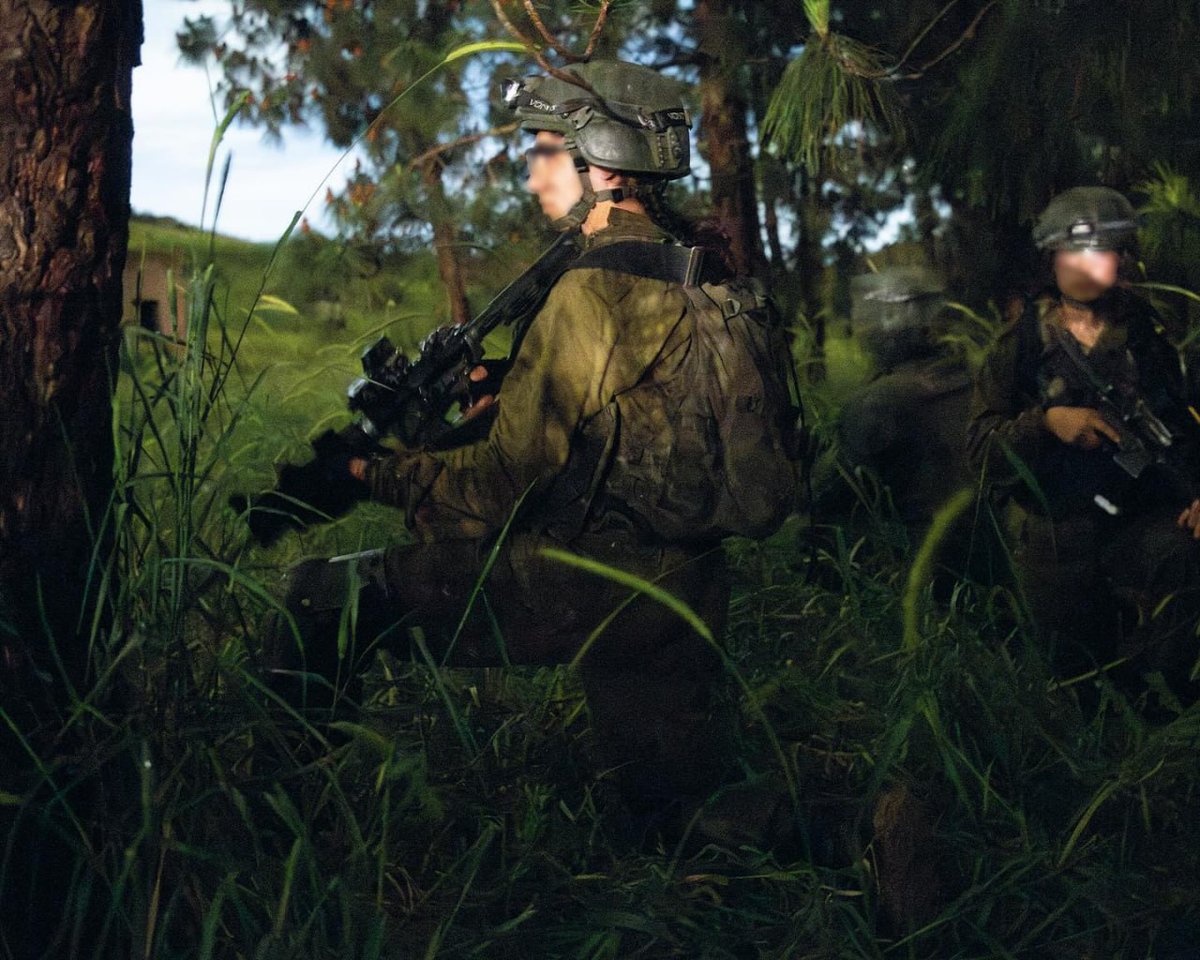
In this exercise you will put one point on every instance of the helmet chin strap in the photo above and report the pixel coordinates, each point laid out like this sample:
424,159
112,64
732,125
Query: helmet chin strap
1077,303
575,217
1095,304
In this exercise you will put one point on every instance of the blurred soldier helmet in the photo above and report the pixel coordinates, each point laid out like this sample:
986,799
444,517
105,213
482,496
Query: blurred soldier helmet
898,313
632,119
1087,218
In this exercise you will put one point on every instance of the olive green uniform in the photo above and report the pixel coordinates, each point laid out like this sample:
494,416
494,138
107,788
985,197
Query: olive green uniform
908,427
599,333
648,678
1072,559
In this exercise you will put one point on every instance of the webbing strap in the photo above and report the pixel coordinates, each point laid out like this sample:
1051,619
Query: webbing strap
672,262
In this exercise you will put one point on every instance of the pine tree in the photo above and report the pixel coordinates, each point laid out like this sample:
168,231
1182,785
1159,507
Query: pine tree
65,159
1000,103
344,64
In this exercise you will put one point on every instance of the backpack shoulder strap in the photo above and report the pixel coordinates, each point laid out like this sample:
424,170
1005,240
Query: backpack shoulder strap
672,262
1029,345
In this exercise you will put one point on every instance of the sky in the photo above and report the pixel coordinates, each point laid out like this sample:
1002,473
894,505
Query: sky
173,125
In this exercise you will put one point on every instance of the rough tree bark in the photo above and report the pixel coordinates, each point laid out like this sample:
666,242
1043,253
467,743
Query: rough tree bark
724,141
65,143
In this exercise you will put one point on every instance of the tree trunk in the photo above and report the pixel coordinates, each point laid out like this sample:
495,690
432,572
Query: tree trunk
775,183
723,134
773,241
65,153
449,267
434,27
810,269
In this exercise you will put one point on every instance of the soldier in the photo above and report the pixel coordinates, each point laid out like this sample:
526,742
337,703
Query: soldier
908,424
903,433
603,149
1082,528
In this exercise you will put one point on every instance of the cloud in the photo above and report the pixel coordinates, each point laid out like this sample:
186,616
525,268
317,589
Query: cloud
173,124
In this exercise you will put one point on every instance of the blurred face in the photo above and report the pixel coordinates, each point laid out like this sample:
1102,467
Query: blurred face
1086,275
552,175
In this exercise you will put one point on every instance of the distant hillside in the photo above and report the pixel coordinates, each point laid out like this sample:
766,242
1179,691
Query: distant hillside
311,269
163,257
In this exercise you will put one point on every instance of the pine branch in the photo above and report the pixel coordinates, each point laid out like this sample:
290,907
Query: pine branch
830,85
428,155
834,44
601,19
536,20
924,33
508,25
968,34
838,80
536,53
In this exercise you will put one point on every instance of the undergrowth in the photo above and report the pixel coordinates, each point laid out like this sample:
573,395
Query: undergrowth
180,810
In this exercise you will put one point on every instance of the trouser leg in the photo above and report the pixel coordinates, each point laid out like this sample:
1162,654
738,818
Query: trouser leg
648,677
333,614
1155,567
661,738
1056,567
655,688
651,681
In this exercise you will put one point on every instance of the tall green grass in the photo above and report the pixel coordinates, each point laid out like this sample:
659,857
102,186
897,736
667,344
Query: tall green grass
207,821
461,813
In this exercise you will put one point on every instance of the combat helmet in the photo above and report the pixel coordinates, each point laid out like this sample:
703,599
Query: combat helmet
898,313
621,116
1087,218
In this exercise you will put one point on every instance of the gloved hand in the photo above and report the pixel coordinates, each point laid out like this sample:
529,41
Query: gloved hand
315,492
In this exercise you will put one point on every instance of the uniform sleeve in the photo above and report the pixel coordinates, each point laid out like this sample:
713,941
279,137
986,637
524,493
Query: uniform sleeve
1001,417
471,491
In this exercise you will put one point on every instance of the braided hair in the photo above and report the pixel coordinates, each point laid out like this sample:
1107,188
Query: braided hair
707,232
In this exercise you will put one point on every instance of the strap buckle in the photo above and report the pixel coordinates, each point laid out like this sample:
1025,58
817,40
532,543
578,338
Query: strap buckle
695,266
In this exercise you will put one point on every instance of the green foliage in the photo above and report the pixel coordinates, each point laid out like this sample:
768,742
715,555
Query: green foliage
1170,229
817,14
1088,93
990,105
239,263
834,86
971,334
459,813
1001,104
382,80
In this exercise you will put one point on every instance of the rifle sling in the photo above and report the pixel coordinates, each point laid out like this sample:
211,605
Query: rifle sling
518,303
1074,352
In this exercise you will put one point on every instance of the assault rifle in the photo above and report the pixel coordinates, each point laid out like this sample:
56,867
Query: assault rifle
406,398
1145,440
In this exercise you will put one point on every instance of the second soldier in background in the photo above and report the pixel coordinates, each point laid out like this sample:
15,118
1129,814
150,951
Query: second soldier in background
1081,422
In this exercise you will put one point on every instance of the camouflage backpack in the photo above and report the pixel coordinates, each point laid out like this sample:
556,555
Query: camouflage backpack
714,450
